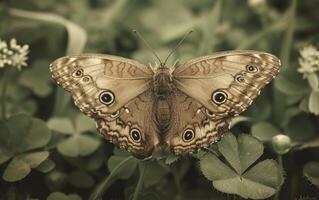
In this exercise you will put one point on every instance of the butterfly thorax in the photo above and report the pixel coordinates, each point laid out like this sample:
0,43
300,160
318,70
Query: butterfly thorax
162,82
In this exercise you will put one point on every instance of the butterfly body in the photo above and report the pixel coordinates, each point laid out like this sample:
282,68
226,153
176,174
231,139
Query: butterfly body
182,108
162,82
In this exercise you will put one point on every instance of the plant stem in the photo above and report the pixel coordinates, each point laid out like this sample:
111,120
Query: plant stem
176,180
4,86
98,192
277,197
287,42
142,167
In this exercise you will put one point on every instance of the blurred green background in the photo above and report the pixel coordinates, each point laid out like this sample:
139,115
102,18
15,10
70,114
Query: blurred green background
49,150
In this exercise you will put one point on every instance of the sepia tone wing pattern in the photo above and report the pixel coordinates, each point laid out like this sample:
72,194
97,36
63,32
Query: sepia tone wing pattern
132,126
226,83
113,90
207,92
213,89
192,128
101,84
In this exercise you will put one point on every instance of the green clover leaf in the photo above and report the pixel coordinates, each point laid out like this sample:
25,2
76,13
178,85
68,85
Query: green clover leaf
21,165
119,156
46,166
62,196
121,166
239,175
264,131
154,173
19,135
80,179
290,82
92,162
77,143
37,78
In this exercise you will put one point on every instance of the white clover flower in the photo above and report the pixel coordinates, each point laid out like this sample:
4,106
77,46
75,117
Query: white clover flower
309,60
13,54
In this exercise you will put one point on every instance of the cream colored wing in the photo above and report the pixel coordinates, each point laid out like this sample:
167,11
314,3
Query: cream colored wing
132,127
116,92
192,127
101,84
226,83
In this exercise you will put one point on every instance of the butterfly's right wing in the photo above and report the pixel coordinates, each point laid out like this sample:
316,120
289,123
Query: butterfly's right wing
226,82
216,88
110,89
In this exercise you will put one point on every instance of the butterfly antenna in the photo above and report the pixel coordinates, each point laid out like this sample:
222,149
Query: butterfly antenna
148,46
178,45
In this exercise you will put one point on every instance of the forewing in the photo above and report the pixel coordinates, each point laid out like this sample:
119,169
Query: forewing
226,82
93,79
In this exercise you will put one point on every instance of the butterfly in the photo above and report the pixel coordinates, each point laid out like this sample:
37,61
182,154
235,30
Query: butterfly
182,108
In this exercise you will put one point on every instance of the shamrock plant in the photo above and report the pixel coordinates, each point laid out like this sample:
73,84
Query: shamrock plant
77,142
241,174
22,139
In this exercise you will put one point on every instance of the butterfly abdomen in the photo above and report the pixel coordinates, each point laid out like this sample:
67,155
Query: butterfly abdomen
162,115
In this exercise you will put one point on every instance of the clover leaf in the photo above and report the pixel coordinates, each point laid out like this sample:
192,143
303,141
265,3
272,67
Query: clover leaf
264,131
37,78
77,143
89,163
238,174
80,179
62,196
19,135
119,156
290,82
177,25
21,165
56,180
121,165
294,124
19,100
46,166
261,109
154,173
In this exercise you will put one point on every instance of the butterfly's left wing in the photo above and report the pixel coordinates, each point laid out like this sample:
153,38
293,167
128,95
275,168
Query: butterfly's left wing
216,87
115,91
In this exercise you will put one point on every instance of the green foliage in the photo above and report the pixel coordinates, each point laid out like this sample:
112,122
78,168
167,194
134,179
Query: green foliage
61,196
19,135
45,142
264,131
241,176
311,171
37,79
78,143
